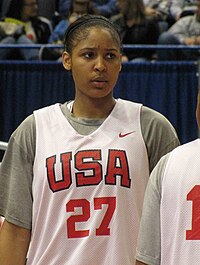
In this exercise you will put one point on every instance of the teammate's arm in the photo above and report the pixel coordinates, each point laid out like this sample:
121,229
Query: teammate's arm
14,243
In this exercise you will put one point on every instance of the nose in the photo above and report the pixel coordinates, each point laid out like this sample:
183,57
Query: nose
100,64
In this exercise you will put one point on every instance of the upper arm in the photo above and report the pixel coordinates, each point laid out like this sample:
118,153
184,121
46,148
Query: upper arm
16,177
150,230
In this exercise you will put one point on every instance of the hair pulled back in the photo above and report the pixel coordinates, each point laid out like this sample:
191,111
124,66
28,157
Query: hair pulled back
79,30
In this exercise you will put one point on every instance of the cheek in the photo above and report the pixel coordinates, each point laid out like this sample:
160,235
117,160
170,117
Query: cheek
79,75
115,71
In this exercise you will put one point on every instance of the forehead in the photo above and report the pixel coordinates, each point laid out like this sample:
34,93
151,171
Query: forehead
30,2
99,37
81,2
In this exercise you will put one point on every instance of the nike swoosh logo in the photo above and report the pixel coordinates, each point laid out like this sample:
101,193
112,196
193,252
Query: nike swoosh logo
121,135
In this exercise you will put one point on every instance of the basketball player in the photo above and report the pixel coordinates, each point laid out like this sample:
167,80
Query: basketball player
74,175
170,224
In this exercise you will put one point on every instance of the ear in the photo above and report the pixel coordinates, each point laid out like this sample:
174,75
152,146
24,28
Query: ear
66,60
198,109
120,63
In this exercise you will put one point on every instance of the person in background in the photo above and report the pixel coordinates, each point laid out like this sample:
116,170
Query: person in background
4,7
160,11
74,174
169,231
77,9
105,8
136,28
186,31
181,8
47,8
22,25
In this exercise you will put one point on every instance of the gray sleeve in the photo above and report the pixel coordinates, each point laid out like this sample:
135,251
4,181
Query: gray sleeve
176,7
16,175
159,135
148,246
183,28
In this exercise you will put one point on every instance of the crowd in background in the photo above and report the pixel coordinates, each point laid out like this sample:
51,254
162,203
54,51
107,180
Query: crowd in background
148,22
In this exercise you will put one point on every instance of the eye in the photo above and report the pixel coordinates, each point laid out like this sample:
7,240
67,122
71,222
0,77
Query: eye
110,55
89,55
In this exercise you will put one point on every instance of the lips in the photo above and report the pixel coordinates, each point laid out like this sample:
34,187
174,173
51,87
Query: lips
99,82
99,79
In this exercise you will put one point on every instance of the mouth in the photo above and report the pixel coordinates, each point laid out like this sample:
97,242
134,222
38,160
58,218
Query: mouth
99,82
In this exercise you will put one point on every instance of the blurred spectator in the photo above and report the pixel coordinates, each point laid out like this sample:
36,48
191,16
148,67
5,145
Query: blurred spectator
47,8
136,28
64,7
22,26
181,8
159,10
185,31
105,8
4,7
77,9
1,3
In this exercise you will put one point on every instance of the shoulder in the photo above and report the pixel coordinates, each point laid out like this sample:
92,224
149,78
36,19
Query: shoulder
185,152
42,22
24,136
157,174
156,124
183,21
150,117
159,135
26,126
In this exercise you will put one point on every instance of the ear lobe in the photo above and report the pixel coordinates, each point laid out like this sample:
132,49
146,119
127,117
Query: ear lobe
66,60
198,109
120,63
120,68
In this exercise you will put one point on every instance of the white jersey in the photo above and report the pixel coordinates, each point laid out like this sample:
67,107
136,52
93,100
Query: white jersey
88,189
180,207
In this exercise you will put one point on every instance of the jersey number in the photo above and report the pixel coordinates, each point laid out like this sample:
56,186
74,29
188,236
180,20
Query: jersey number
103,229
194,196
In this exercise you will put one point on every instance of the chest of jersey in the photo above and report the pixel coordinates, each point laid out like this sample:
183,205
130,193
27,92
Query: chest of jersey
84,187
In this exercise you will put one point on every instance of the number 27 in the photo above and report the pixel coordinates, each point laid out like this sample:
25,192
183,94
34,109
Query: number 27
103,229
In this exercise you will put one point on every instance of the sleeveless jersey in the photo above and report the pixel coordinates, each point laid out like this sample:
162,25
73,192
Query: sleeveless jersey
88,189
180,207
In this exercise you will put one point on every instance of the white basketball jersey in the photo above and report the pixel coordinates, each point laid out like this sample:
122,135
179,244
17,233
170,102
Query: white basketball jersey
180,207
88,189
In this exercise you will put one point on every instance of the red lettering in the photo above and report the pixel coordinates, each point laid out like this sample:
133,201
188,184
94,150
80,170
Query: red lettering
89,169
66,180
118,166
194,196
86,161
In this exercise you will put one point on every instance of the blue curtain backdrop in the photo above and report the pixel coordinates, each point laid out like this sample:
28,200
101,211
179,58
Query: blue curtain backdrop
168,87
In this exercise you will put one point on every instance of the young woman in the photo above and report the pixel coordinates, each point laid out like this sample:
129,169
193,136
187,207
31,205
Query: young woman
22,25
136,28
73,176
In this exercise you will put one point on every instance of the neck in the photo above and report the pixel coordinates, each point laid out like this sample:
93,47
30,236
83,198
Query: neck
94,109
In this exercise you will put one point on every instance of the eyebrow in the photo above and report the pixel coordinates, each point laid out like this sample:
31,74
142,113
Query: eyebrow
94,48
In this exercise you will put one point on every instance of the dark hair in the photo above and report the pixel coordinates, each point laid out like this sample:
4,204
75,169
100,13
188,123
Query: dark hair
15,9
79,30
137,11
